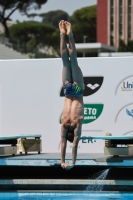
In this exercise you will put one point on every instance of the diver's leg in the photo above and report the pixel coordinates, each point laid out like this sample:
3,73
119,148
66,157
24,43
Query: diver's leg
66,71
77,75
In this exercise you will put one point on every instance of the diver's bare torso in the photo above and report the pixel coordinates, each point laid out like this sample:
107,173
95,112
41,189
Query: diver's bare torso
73,112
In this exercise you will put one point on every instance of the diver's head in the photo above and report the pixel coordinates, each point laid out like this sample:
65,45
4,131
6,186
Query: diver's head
70,135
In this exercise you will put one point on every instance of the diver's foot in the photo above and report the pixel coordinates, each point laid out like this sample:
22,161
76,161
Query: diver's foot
61,27
68,28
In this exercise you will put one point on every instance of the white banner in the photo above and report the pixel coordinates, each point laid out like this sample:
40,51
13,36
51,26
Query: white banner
31,99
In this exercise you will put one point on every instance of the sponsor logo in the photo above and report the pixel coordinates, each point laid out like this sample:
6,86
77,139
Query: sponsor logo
127,86
129,113
78,89
128,109
92,85
87,140
91,112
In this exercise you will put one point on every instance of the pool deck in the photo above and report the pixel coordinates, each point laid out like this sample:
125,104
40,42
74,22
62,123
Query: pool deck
53,159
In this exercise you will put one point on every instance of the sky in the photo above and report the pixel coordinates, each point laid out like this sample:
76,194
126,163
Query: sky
68,6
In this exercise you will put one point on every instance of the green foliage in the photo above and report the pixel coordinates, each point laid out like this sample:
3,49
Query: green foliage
85,15
85,24
130,46
42,55
31,44
32,15
8,7
122,46
22,5
125,47
53,17
33,33
26,37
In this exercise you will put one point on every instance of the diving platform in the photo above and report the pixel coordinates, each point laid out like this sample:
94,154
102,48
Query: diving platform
117,152
53,160
115,145
20,143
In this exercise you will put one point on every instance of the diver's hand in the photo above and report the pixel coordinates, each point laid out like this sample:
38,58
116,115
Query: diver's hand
63,165
69,166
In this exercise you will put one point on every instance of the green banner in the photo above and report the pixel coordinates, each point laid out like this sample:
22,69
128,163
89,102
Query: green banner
92,112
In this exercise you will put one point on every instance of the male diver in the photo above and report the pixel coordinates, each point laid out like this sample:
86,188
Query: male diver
73,111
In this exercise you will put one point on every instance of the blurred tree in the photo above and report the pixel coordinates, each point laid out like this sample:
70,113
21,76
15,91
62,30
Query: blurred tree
8,7
125,47
29,36
33,33
32,15
130,46
122,46
53,17
84,24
